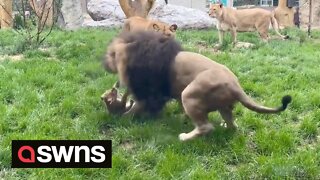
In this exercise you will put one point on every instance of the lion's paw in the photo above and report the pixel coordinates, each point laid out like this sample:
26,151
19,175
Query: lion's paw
223,124
183,136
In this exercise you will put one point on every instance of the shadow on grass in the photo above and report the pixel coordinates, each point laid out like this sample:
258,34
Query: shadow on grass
163,130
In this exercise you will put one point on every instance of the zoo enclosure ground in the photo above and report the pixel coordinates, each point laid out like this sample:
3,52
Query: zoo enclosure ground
54,93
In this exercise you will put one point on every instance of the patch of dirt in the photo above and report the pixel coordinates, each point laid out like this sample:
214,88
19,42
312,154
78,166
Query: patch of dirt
245,45
202,46
13,58
251,144
309,143
126,144
105,129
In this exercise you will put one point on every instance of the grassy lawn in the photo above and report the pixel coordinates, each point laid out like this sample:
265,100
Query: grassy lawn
54,93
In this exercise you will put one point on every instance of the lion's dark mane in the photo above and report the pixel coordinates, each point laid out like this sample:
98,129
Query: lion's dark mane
150,58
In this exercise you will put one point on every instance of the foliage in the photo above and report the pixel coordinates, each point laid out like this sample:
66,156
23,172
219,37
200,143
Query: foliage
33,25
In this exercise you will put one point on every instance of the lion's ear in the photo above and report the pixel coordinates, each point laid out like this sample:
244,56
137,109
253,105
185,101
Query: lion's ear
156,27
221,5
173,27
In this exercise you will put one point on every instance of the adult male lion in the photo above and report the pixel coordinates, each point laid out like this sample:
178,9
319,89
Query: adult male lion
136,23
242,20
155,69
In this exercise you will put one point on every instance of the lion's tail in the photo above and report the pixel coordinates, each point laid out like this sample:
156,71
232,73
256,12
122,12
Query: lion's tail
275,26
246,101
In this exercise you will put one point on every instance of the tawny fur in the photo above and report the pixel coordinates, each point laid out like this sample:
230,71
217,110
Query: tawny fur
243,20
202,85
116,103
134,24
139,8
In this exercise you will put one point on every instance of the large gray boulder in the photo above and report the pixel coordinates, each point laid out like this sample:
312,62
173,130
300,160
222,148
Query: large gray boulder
105,9
104,13
108,13
111,23
184,17
72,14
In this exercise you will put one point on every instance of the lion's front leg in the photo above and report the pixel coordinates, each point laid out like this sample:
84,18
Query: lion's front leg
221,35
234,35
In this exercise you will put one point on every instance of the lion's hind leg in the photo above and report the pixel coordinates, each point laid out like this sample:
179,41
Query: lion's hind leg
196,110
227,116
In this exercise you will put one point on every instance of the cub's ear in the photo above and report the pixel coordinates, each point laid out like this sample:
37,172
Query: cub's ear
156,27
221,5
114,91
116,85
173,27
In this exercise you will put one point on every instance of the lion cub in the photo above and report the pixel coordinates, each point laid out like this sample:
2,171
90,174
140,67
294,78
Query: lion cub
243,20
116,104
141,24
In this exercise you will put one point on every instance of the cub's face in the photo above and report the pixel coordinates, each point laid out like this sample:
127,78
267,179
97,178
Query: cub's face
215,10
169,31
110,96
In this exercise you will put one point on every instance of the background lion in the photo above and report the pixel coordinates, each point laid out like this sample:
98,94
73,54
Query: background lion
136,23
137,12
155,69
242,20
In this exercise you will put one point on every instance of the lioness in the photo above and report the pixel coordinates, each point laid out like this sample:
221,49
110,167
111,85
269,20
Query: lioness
155,69
243,20
141,24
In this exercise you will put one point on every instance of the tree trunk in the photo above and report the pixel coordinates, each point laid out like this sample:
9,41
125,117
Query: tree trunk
84,4
72,14
44,10
137,7
310,17
6,13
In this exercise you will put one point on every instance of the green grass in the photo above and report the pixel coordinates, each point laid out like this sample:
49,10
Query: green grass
54,94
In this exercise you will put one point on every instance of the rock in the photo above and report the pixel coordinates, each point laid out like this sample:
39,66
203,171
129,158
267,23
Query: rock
72,14
105,9
104,23
108,13
184,17
244,45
